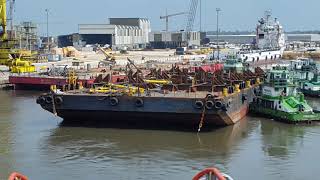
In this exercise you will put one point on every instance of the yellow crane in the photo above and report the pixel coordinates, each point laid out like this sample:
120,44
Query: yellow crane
14,58
109,60
3,21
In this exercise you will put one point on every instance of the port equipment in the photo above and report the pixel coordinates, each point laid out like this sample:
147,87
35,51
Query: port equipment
110,60
191,17
157,81
16,59
117,88
167,16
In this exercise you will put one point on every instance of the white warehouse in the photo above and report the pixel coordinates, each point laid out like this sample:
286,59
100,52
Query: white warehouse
119,33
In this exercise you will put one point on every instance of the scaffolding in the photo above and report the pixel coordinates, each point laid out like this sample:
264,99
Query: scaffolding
26,35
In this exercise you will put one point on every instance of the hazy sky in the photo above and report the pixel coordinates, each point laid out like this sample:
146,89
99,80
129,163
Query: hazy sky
65,15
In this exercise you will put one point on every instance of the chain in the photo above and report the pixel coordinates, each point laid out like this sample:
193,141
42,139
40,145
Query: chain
202,115
54,106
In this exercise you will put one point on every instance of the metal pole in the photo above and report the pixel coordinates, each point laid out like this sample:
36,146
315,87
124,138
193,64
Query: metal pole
200,15
218,10
167,21
48,40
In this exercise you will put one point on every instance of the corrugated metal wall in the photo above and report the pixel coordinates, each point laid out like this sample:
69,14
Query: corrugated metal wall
101,39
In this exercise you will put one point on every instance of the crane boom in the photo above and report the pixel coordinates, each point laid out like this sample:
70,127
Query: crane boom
171,15
106,54
167,16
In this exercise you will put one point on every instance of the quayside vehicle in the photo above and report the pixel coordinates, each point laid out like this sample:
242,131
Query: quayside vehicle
279,99
175,97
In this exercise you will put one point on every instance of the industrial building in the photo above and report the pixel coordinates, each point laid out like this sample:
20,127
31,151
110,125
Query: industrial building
161,40
249,38
233,39
119,33
69,40
303,37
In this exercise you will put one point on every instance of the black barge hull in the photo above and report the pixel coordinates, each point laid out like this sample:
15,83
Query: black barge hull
148,111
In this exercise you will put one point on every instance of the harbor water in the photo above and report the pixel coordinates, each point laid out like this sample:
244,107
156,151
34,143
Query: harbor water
33,142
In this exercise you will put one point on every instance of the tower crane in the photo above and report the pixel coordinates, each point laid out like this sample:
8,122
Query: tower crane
167,16
191,17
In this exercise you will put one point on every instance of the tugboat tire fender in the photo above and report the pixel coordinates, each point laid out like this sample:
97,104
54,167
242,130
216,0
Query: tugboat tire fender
41,100
209,105
49,99
218,104
58,100
114,101
198,104
139,102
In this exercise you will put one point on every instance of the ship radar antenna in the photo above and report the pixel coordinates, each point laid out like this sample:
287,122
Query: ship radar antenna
267,13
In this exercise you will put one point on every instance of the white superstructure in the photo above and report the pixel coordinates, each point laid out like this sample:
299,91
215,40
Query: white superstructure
269,43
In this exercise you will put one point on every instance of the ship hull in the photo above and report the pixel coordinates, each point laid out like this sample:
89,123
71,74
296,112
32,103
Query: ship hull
261,57
156,111
310,93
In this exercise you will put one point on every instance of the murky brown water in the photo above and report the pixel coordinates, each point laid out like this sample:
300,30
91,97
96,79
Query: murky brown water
32,142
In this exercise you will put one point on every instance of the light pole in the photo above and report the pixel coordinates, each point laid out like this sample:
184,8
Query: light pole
218,10
200,15
48,40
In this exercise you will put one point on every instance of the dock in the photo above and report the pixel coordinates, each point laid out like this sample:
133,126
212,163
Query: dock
4,84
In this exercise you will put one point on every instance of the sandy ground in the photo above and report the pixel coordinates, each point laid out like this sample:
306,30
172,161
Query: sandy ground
139,58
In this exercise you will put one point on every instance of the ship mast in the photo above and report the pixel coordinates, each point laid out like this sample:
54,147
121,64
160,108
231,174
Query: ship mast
268,15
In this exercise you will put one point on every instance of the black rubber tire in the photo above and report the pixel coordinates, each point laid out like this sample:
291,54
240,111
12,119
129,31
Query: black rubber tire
218,104
58,100
139,102
198,104
41,100
209,105
49,99
114,101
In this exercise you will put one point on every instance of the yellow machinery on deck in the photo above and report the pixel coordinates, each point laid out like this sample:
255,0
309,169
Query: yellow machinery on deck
116,88
18,60
109,60
158,81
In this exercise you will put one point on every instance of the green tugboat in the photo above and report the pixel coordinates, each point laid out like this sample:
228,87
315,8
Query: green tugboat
307,74
279,99
312,87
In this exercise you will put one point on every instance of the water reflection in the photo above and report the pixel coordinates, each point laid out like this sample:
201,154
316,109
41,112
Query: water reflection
31,141
279,140
6,131
168,147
